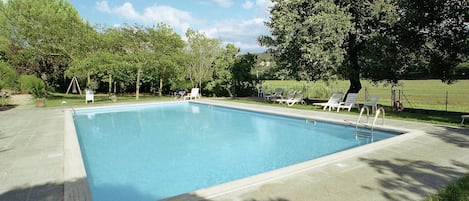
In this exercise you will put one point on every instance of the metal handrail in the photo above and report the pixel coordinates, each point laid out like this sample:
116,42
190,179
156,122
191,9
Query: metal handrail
359,118
378,112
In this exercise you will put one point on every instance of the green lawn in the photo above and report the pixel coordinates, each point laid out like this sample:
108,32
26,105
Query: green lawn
421,94
59,99
441,118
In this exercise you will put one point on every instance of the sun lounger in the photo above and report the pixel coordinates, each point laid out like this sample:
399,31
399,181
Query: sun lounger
277,94
372,101
350,101
333,102
179,94
193,95
297,99
290,96
464,117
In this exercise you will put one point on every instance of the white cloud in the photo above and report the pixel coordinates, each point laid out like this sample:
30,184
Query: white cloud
103,6
173,17
243,34
127,11
248,5
264,3
223,3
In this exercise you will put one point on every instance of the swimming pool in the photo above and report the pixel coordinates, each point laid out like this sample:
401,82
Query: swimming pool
157,151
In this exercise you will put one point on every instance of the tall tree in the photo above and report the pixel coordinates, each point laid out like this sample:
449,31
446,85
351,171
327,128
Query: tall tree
44,36
166,54
388,38
438,32
307,37
109,58
136,48
244,82
83,59
372,45
202,52
223,77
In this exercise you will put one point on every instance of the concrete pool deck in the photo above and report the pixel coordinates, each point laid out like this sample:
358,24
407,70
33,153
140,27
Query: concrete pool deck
32,163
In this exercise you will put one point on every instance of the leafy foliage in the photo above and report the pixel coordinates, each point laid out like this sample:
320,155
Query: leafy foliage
166,57
33,85
7,75
381,40
437,31
202,53
307,37
222,84
43,36
244,81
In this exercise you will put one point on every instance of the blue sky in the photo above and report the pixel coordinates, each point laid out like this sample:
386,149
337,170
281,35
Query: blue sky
232,21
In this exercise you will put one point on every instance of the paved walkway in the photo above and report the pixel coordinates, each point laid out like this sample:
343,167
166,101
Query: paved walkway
31,154
32,148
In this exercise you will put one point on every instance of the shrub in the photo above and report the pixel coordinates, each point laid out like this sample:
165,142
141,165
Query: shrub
33,85
459,190
7,75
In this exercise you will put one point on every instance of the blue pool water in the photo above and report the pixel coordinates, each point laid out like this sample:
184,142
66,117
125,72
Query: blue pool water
157,151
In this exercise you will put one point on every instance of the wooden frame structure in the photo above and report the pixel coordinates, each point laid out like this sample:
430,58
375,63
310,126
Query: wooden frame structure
75,83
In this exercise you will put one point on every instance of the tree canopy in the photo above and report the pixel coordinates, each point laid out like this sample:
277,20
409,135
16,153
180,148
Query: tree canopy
43,36
202,52
50,40
374,39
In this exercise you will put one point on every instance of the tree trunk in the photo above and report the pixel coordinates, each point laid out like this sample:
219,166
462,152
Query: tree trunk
160,89
88,78
354,73
110,84
137,84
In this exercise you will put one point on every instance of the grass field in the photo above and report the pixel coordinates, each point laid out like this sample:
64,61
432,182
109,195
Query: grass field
59,99
418,94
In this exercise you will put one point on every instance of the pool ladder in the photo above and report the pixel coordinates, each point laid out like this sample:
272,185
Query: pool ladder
360,127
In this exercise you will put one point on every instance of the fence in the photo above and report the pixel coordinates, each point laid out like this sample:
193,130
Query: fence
417,94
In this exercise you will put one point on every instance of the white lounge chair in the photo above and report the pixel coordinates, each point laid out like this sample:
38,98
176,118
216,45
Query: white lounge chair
193,95
333,102
350,101
372,101
464,117
297,99
260,92
179,94
89,96
290,96
277,94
